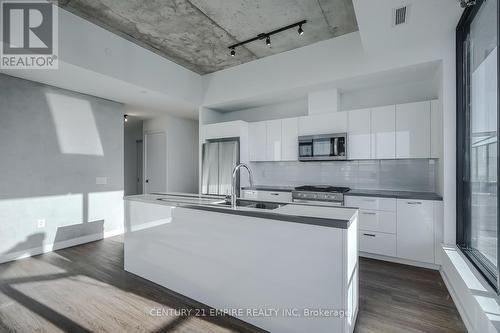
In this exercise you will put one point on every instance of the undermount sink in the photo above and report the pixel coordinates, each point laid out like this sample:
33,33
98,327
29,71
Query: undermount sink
252,204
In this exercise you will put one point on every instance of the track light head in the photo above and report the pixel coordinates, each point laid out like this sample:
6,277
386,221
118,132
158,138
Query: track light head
268,41
233,52
125,118
300,31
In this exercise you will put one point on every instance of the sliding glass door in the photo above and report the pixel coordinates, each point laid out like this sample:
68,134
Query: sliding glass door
477,136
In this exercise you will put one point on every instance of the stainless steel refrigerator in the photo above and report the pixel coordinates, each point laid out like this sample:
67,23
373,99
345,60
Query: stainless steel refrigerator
219,157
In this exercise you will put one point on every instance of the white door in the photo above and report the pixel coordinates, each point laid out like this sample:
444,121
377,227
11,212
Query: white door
273,144
155,162
257,139
413,130
383,132
289,139
359,134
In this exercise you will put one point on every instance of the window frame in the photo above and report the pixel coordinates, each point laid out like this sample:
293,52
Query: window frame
463,230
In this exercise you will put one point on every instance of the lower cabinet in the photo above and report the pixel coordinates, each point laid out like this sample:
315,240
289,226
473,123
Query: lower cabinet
272,196
415,236
398,228
377,242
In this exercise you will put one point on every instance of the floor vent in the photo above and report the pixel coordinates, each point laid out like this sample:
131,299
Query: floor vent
400,15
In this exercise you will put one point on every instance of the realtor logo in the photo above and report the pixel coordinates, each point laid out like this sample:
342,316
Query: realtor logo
29,35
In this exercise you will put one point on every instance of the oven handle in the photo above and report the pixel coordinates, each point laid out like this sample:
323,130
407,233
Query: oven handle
318,202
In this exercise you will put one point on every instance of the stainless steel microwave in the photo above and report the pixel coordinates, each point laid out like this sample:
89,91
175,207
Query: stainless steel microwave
325,147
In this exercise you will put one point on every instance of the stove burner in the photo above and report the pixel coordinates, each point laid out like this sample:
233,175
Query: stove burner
322,188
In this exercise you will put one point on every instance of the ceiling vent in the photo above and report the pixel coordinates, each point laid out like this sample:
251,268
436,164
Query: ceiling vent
400,15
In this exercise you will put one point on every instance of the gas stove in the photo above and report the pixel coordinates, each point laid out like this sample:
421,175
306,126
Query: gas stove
320,194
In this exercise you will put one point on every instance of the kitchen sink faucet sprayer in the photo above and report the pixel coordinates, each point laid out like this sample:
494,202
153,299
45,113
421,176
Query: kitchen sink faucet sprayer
233,182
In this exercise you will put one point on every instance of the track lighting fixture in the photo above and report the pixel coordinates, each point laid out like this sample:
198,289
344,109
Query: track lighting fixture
267,36
300,31
125,118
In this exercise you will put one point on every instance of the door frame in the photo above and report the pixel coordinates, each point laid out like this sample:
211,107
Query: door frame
145,158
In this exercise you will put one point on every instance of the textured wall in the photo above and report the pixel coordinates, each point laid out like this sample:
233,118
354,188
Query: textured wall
404,175
56,146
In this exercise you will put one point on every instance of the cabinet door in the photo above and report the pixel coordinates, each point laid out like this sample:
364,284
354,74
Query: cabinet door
436,129
323,124
415,230
257,134
359,134
273,144
413,130
289,139
383,120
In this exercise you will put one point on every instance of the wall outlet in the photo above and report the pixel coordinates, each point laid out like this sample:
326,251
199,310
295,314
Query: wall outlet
40,223
101,180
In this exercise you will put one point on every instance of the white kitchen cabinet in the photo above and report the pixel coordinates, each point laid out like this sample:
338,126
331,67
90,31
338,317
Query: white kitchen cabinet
289,139
383,129
379,221
436,129
359,134
335,122
264,195
257,141
415,230
229,129
371,203
273,140
377,243
413,130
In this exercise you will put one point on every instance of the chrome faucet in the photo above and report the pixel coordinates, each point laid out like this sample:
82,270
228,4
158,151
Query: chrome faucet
233,182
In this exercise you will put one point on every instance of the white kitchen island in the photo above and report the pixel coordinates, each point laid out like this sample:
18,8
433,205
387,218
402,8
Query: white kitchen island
290,269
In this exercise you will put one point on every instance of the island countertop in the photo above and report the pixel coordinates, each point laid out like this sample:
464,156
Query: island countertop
325,216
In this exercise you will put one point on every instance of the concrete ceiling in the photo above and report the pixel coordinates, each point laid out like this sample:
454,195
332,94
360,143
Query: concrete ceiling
196,33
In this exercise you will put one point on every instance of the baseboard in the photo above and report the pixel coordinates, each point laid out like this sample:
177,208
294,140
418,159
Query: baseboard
57,246
458,303
400,261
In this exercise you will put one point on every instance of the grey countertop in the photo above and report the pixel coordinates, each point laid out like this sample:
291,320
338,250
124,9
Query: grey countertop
359,192
325,216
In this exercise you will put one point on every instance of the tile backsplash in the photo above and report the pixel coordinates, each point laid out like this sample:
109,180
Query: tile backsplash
398,175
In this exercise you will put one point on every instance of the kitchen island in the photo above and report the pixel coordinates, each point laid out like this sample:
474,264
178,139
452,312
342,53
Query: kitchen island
281,267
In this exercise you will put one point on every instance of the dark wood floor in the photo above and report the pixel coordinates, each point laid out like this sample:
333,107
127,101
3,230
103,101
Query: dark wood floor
85,289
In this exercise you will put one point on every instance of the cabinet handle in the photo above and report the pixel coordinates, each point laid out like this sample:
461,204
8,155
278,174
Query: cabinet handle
369,200
368,213
371,235
274,193
414,202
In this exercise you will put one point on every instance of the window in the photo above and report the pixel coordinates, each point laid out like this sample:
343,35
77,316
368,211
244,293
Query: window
477,129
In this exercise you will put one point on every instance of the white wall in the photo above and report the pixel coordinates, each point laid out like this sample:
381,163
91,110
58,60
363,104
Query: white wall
62,162
182,151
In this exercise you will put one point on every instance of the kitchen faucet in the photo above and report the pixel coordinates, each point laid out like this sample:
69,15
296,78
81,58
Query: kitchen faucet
233,182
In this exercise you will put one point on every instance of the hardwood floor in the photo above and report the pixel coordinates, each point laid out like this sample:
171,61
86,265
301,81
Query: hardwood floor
85,289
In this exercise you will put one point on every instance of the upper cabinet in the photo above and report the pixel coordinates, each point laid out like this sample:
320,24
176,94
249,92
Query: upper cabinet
359,134
383,129
436,129
257,141
289,139
413,130
273,140
273,143
323,124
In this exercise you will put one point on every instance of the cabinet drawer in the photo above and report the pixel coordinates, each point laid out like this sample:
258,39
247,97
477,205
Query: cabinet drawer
377,243
274,196
371,203
249,194
381,221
